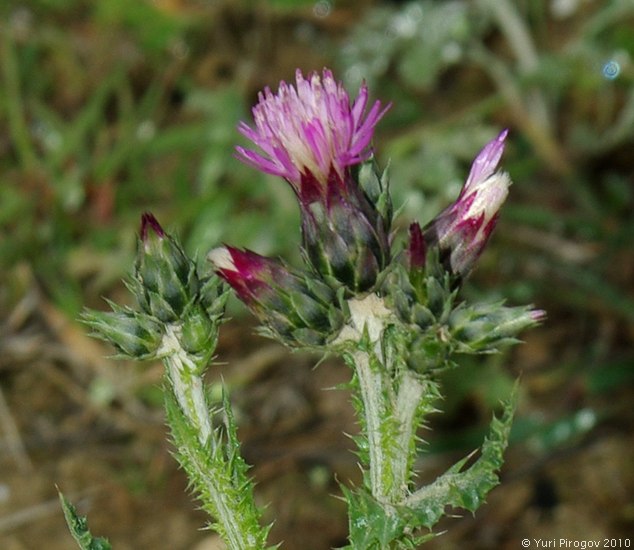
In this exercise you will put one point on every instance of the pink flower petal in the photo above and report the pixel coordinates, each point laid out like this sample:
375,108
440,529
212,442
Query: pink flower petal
309,127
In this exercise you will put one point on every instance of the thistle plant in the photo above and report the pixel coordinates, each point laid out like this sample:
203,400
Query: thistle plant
389,306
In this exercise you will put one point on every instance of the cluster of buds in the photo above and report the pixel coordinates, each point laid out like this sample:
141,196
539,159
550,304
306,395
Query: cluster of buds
170,293
381,307
313,136
422,287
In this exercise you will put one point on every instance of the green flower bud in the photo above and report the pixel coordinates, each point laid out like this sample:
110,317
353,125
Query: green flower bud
166,276
421,296
199,332
299,309
134,334
487,327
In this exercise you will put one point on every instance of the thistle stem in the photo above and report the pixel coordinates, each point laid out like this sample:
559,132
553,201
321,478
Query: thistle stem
186,384
371,390
236,528
240,527
390,400
408,402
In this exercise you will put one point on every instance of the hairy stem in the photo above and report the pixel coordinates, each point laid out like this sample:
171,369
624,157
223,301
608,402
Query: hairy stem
186,384
407,404
235,528
203,456
390,400
371,390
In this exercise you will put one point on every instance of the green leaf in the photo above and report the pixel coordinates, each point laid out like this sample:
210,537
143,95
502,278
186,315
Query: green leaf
371,526
79,528
463,488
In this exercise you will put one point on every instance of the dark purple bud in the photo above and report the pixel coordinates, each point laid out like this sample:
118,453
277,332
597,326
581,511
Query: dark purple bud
417,248
150,223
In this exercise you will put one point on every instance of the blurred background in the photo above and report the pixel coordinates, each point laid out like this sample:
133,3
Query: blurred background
109,108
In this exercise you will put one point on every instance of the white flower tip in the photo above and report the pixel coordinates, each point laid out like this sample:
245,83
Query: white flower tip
490,194
496,188
221,258
501,180
496,184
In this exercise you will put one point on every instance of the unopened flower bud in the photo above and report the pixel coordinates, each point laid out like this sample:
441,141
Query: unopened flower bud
293,306
487,327
463,229
135,335
416,248
198,336
166,277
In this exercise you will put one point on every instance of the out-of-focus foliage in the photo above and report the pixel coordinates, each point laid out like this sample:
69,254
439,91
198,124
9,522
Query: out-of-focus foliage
99,127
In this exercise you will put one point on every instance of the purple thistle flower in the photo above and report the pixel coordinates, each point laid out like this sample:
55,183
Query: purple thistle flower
311,134
310,129
462,230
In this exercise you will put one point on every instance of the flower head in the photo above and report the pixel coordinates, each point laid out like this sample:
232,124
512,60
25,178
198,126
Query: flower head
462,230
311,134
292,306
311,128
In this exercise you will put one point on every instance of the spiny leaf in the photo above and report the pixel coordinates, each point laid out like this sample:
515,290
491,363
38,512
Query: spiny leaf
371,526
79,528
463,489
